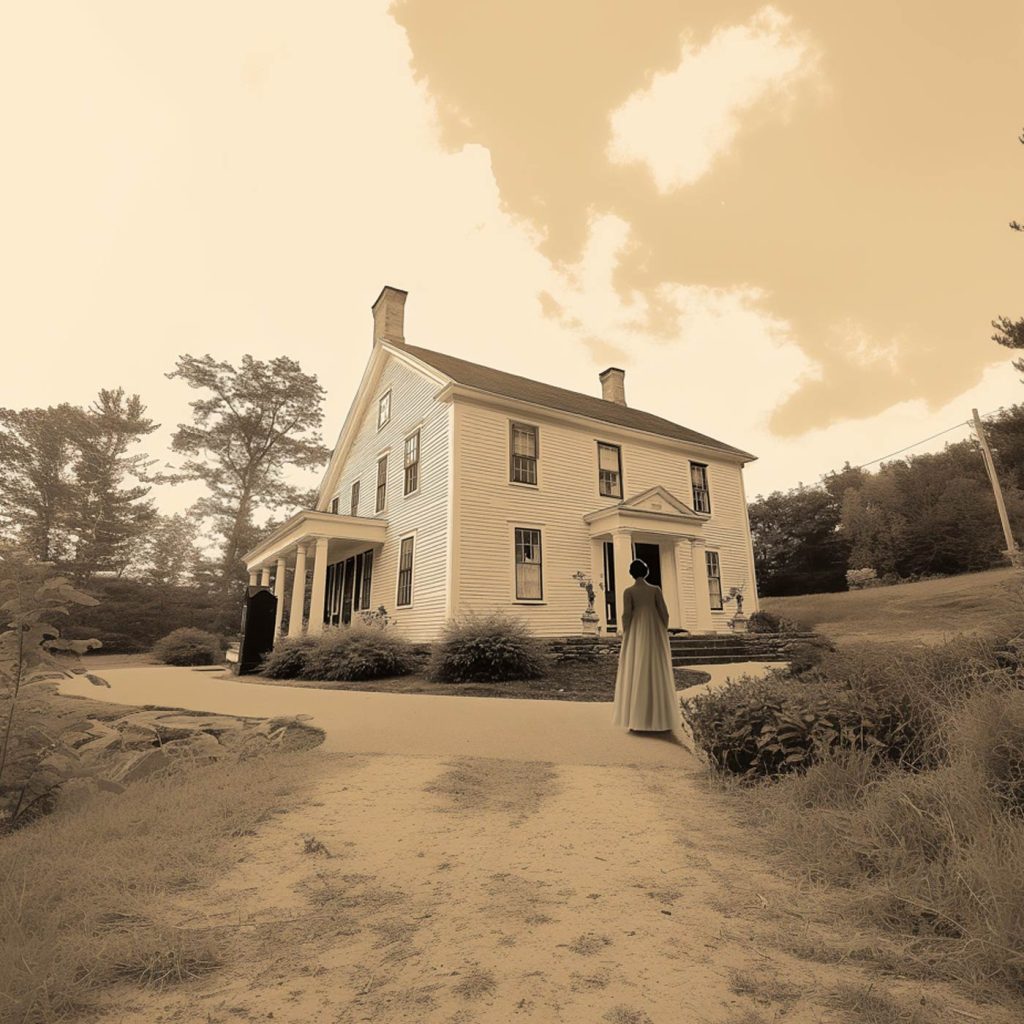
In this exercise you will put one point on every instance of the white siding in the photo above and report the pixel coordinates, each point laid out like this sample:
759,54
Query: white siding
423,513
489,506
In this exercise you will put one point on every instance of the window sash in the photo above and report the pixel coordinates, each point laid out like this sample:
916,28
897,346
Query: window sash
523,446
384,410
367,577
382,482
355,499
529,565
412,462
701,492
609,470
335,502
714,569
404,596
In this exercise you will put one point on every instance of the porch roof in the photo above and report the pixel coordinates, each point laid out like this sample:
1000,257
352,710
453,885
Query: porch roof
655,510
306,526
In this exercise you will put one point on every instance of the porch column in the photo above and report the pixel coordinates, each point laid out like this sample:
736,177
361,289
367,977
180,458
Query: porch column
253,578
318,594
670,582
622,552
279,578
298,593
265,576
705,624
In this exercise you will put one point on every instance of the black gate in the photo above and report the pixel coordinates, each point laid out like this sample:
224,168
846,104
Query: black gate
258,621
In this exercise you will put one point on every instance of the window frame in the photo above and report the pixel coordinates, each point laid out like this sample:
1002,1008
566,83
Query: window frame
414,466
381,424
380,502
411,538
335,505
353,507
367,580
512,425
516,531
618,451
706,489
716,578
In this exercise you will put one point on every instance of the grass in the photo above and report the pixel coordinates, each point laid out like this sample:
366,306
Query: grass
574,681
85,894
931,852
924,612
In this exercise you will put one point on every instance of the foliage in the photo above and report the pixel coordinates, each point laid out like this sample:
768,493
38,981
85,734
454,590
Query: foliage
189,646
797,546
352,652
254,422
1008,332
289,658
63,490
493,648
778,725
768,622
169,554
378,618
33,764
132,615
858,579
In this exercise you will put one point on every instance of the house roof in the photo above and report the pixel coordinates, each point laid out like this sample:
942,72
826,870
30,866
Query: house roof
511,385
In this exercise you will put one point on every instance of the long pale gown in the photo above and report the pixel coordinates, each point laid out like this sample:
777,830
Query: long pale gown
645,689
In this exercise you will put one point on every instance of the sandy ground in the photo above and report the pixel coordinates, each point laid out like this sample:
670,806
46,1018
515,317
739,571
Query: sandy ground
450,888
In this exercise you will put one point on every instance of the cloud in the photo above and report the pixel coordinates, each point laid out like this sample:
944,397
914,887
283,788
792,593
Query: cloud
687,118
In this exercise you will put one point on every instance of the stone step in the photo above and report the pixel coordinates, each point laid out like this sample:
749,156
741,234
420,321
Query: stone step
723,659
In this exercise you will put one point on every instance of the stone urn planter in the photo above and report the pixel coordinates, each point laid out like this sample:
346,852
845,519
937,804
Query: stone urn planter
590,622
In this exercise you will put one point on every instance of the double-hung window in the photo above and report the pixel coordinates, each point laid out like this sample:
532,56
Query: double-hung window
701,494
609,470
412,463
523,454
382,482
404,597
714,579
354,504
367,575
334,505
529,565
384,410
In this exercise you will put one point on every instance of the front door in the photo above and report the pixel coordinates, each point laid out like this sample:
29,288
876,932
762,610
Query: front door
651,554
346,593
609,586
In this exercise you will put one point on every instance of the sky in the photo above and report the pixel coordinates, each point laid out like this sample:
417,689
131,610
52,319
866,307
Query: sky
786,222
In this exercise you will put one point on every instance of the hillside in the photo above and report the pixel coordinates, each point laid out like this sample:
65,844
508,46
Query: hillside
925,612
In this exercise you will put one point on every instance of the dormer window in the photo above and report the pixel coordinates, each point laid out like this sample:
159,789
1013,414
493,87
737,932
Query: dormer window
384,410
701,493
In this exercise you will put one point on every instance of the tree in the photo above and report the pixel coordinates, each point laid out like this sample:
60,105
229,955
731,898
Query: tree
256,421
170,553
37,484
63,490
1010,333
109,515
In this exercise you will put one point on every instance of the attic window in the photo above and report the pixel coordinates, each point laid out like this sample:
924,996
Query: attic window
384,410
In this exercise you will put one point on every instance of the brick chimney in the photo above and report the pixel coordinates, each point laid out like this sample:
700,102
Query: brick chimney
389,315
613,385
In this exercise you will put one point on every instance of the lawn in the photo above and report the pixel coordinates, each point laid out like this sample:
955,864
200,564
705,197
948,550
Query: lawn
926,612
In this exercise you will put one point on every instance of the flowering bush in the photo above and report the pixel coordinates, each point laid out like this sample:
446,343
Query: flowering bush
858,579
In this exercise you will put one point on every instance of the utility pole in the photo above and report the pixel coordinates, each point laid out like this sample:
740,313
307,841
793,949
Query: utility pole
986,452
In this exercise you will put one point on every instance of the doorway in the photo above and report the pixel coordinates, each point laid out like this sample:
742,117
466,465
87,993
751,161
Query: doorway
651,554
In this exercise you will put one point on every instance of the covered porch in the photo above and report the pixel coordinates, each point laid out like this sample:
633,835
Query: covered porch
300,561
666,533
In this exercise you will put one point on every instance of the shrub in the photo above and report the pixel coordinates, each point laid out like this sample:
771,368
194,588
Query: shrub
858,579
990,734
487,649
778,725
188,646
357,652
289,658
769,622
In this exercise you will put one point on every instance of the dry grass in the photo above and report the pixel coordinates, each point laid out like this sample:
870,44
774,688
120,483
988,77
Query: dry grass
934,856
85,893
863,1004
762,986
924,612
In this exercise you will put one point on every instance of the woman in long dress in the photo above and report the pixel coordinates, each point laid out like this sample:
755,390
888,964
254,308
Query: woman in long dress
645,686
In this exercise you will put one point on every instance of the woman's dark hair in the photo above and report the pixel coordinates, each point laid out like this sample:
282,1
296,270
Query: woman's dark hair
638,569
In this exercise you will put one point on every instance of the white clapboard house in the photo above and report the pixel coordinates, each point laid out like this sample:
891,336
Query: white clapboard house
456,488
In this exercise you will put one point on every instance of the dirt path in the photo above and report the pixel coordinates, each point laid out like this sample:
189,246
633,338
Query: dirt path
425,889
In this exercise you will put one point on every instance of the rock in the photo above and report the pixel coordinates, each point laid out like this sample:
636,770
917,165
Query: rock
138,764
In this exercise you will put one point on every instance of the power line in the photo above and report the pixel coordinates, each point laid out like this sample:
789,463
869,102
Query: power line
956,426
